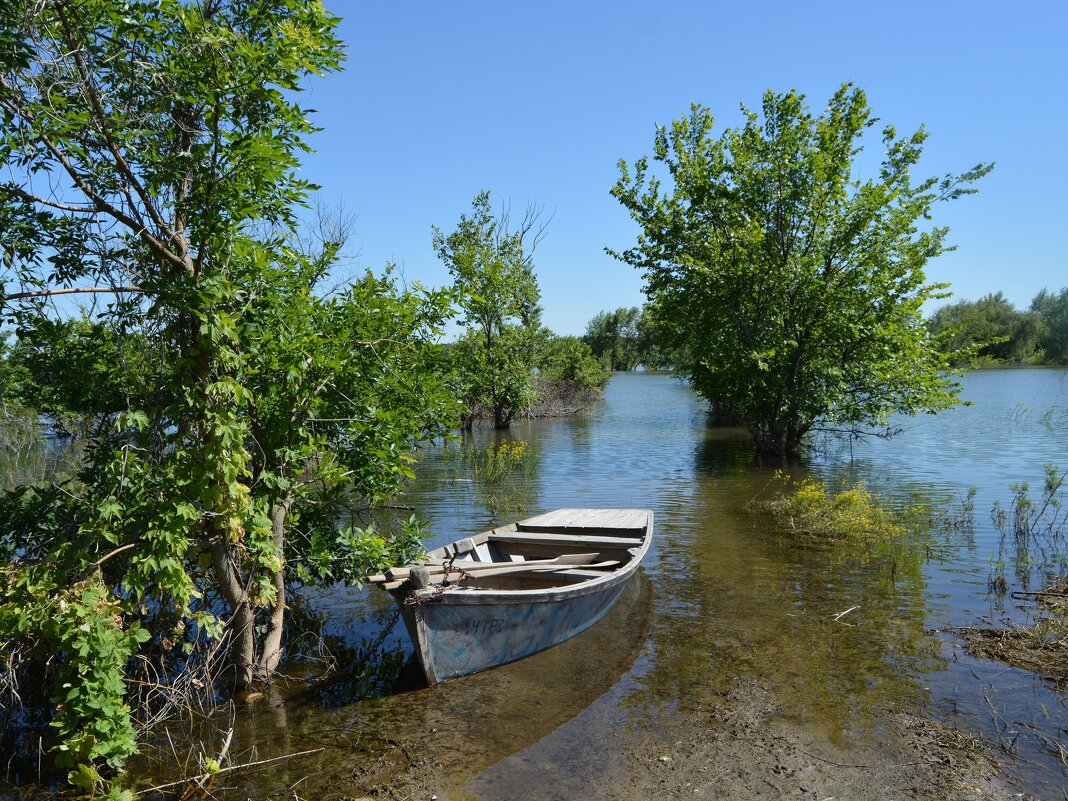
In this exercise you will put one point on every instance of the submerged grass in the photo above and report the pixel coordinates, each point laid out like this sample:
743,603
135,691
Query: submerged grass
1033,541
807,507
502,476
1041,646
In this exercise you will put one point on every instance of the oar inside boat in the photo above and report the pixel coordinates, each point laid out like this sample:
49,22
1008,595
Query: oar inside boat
471,566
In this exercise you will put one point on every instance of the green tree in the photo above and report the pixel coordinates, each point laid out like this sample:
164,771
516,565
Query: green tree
1053,308
570,360
628,337
989,327
169,133
492,269
794,286
496,382
654,348
614,337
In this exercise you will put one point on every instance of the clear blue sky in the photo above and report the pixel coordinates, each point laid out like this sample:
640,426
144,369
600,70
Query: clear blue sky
538,101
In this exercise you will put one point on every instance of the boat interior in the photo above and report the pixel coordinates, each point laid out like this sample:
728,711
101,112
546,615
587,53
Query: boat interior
555,549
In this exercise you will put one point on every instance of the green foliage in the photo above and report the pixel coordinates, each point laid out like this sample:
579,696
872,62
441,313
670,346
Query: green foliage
493,273
807,507
81,372
613,336
81,626
237,412
989,328
792,287
349,554
626,338
570,359
1053,309
494,381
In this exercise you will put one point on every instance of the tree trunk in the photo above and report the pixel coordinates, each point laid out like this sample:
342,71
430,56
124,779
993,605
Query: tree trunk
241,630
501,417
777,438
272,644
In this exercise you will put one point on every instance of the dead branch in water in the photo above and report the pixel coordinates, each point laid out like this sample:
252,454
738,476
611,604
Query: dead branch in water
204,776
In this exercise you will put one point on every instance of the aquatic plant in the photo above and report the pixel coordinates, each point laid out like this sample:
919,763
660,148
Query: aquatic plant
1036,527
1034,531
960,518
808,507
500,475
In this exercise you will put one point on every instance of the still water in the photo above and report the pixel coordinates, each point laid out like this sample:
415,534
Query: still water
720,598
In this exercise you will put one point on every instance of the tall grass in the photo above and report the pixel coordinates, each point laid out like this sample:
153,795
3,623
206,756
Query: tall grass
502,476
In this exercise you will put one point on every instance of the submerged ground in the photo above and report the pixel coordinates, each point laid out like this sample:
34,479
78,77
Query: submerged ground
729,669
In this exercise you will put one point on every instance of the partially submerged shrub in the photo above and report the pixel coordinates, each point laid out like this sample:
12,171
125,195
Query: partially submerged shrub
808,507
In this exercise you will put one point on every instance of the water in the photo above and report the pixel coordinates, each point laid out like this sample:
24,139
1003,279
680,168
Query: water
719,599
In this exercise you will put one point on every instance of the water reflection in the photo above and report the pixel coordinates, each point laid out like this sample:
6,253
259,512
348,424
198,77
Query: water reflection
731,599
457,728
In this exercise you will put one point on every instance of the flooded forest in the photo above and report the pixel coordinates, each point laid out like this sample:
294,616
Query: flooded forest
732,643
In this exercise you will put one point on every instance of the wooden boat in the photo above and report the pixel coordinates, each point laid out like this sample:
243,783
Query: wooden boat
512,591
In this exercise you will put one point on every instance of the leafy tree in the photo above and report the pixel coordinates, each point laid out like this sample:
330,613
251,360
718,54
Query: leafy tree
626,338
794,286
570,359
492,269
989,327
614,337
80,373
1053,309
152,152
495,383
655,349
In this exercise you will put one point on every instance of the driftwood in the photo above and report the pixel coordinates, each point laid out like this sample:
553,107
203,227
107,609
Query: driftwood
203,776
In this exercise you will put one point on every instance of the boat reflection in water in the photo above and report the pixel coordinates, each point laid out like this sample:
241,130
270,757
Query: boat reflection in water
453,730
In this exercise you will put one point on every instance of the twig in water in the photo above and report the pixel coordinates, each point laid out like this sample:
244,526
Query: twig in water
840,615
202,776
1021,593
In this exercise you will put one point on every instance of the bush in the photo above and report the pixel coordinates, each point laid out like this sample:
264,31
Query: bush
570,359
807,507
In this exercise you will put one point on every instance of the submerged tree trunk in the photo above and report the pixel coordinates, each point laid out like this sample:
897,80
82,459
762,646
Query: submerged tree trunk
272,644
241,629
502,417
779,438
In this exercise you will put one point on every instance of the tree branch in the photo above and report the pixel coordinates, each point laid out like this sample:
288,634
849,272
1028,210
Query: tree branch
99,202
46,293
98,110
22,193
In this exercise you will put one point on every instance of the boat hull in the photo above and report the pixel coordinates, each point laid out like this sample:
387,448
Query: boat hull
510,592
457,639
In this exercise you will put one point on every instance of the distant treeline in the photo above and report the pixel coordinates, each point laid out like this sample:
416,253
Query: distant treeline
988,331
627,338
992,331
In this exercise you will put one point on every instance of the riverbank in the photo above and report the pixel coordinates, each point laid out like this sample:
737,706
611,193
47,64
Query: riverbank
556,398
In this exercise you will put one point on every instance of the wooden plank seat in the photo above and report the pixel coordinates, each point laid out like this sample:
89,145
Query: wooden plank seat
565,540
546,546
631,521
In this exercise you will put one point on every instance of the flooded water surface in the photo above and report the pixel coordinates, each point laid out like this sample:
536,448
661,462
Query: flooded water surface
719,599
